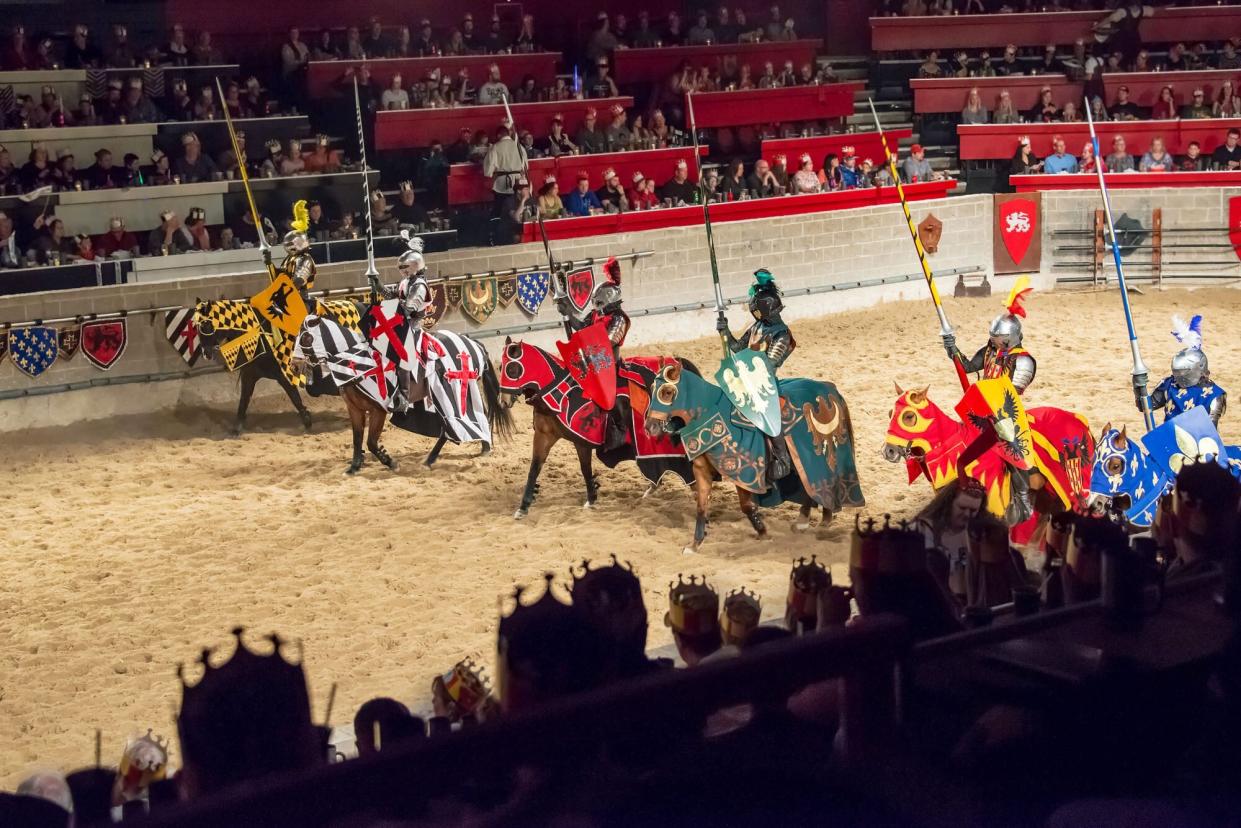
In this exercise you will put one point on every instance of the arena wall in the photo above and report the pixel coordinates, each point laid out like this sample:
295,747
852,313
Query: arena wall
668,292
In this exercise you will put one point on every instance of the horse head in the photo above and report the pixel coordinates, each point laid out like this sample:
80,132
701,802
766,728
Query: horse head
527,369
670,399
915,427
1125,475
209,336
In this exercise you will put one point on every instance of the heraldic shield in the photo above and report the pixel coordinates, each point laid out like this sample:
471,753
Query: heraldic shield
580,284
1018,219
588,356
749,382
995,404
1185,439
281,304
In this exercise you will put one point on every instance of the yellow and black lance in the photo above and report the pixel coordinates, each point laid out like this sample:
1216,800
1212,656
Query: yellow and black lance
945,329
746,377
245,181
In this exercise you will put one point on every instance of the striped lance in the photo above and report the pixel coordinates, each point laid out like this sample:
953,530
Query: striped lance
372,273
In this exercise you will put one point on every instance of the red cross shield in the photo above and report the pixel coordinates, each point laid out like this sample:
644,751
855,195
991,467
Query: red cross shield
588,356
1018,222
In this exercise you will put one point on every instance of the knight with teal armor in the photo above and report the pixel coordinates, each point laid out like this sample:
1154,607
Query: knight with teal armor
768,335
1190,384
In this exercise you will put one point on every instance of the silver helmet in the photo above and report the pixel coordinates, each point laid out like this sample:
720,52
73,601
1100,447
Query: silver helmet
1006,331
1189,366
295,241
605,295
411,261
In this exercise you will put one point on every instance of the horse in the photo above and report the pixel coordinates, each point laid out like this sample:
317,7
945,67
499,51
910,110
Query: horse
230,326
931,442
815,425
563,412
445,403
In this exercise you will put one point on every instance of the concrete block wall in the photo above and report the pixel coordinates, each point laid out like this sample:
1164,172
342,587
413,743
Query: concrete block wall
802,251
1199,208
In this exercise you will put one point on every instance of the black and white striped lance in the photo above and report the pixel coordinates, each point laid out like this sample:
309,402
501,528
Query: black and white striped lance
366,183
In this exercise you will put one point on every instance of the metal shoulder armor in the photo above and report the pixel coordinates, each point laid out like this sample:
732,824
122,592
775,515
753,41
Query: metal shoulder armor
779,347
1021,371
1217,407
618,327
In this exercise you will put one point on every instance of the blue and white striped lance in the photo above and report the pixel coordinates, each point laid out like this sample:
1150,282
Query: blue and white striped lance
371,270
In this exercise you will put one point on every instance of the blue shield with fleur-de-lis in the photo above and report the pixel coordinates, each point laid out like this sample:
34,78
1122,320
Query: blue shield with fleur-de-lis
532,290
33,349
1186,439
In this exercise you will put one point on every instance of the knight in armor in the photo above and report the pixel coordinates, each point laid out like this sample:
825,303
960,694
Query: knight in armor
414,295
771,336
607,300
1190,384
298,263
1003,355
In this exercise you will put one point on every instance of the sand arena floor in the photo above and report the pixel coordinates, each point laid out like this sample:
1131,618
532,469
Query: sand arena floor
128,545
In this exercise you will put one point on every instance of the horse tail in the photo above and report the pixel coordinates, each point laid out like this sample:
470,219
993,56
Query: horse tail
498,414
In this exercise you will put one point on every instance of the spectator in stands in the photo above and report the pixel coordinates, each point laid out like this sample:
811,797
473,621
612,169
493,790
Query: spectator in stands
974,112
1178,60
1075,64
602,85
375,44
228,239
1024,160
985,68
1124,109
206,108
1141,63
17,54
745,80
324,48
479,146
1227,104
620,29
395,96
561,91
960,66
768,79
644,37
493,91
320,227
254,97
81,53
161,170
618,136
8,173
1193,160
1069,113
830,178
294,58
746,33
85,114
777,29
121,54
1044,109
850,175
1165,108
725,30
642,194
496,41
194,165
590,139
557,142
787,76
10,253
1197,108
50,244
527,92
916,168
1050,64
85,248
205,53
1227,156
734,183
504,163
1059,161
352,50
1087,162
678,189
37,171
930,67
583,201
516,209
118,242
322,160
458,152
1005,112
180,105
177,51
53,109
525,43
762,183
292,162
673,34
701,33
612,195
409,212
65,175
805,180
383,220
469,38
660,131
1098,112
232,101
138,108
1009,65
1119,160
424,44
550,205
170,237
780,170
1228,57
867,177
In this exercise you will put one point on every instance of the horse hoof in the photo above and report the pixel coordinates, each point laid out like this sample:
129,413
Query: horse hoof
305,415
801,526
393,465
520,514
485,450
235,431
650,490
352,470
688,550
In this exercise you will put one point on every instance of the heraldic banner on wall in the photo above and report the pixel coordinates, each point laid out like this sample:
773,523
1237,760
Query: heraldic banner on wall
1017,237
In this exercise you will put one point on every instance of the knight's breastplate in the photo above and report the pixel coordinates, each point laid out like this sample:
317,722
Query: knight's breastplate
1181,400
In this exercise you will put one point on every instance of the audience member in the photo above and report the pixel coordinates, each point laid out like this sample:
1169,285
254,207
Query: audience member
1156,158
493,91
1193,160
194,165
1227,104
612,195
1005,112
1119,160
1198,107
830,177
170,237
930,67
916,168
1088,162
1124,109
1059,161
1227,156
589,139
974,111
102,174
761,183
582,201
118,240
1009,65
618,136
11,254
1024,160
81,53
1044,109
550,206
678,189
601,85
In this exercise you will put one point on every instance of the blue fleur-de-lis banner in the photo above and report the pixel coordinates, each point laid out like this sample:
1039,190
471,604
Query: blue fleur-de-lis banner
33,350
532,290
